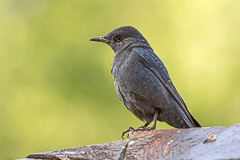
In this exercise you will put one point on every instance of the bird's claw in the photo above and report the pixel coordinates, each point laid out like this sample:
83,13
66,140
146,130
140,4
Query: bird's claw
126,131
143,128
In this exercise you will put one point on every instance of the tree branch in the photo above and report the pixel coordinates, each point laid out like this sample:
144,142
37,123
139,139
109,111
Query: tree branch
194,143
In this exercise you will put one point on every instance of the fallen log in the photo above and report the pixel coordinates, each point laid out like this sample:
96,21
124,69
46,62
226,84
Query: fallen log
194,143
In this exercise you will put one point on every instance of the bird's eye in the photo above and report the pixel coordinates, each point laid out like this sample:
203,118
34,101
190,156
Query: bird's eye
119,37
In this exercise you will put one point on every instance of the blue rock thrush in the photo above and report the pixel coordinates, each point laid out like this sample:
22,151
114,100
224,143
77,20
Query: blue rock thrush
142,82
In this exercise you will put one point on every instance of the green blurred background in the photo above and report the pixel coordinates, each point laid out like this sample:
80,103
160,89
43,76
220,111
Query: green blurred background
55,86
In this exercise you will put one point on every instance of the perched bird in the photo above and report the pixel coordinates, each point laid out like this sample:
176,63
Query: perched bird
142,82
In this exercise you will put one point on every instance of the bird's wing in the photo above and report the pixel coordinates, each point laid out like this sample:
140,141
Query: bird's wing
154,64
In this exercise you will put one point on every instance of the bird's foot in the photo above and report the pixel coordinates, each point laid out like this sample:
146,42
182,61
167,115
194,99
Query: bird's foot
143,128
127,131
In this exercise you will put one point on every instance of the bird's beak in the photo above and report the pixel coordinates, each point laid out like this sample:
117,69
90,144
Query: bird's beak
99,39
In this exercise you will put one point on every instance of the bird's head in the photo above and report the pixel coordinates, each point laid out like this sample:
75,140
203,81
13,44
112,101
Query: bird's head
121,37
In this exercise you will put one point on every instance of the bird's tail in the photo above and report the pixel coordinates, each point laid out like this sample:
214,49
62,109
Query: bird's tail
196,124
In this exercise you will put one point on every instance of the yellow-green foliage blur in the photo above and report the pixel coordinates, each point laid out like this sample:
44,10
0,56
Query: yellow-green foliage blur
56,90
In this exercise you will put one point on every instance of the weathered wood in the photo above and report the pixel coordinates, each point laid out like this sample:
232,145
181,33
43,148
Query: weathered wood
186,144
112,150
194,143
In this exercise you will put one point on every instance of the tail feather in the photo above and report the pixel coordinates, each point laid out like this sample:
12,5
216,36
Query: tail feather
196,124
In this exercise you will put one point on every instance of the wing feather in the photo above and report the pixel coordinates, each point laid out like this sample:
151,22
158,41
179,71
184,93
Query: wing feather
154,64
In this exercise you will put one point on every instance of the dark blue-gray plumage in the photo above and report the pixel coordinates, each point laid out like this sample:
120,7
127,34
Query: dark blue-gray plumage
142,82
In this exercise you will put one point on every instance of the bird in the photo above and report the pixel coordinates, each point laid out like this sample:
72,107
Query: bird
142,82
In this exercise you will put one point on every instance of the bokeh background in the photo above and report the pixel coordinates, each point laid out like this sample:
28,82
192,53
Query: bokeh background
56,90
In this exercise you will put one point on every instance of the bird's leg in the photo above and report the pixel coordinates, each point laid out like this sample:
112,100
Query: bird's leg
126,131
144,128
154,120
145,125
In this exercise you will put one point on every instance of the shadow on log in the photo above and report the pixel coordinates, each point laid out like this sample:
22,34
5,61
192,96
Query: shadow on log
194,143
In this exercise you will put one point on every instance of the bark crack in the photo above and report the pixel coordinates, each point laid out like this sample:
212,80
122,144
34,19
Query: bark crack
123,153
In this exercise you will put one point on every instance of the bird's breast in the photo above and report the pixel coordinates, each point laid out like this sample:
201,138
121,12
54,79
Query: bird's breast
131,75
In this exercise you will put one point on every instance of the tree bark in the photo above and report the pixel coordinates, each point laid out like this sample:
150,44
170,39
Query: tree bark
194,143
